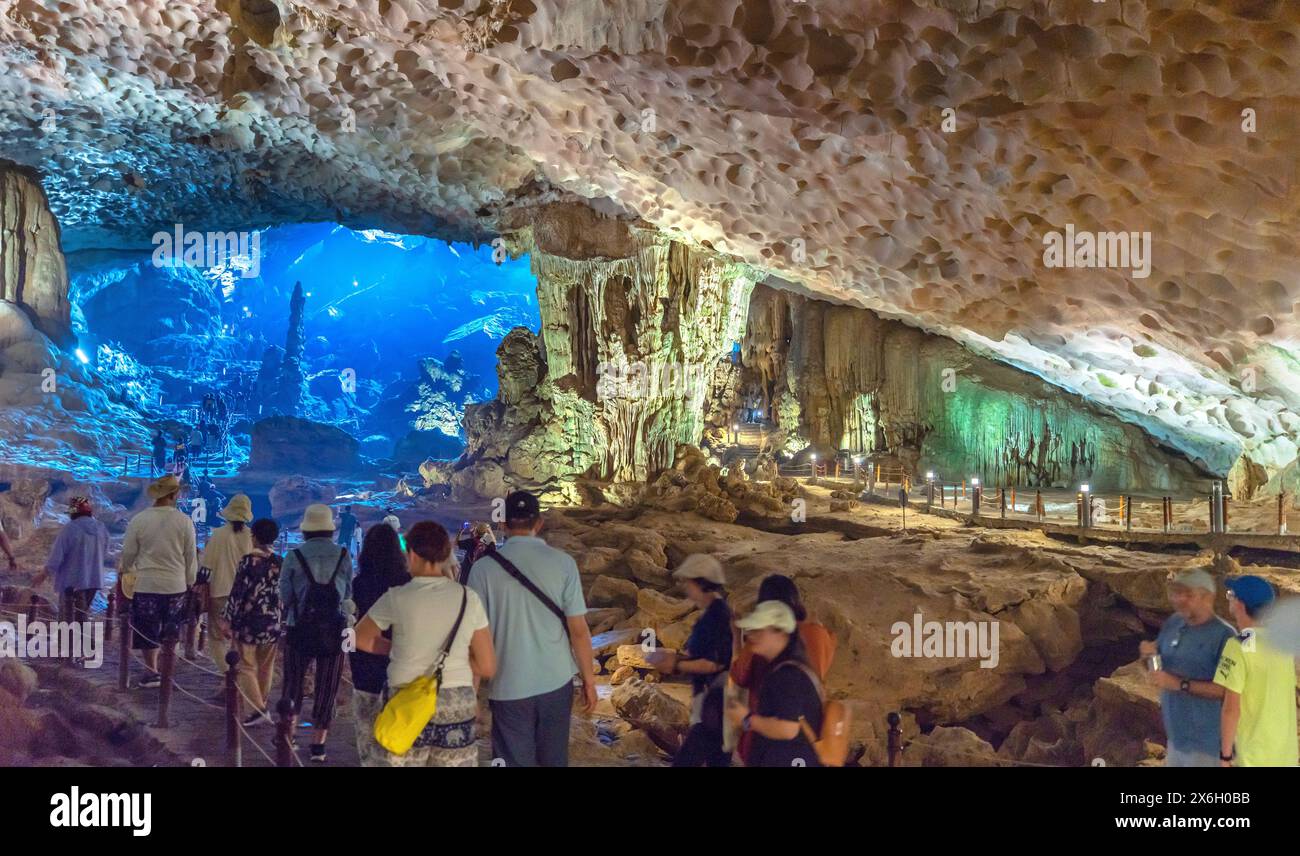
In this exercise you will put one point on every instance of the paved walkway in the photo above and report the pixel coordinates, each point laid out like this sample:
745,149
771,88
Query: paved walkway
197,716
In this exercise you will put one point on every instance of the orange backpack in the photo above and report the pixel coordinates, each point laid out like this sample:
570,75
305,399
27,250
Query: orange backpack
832,745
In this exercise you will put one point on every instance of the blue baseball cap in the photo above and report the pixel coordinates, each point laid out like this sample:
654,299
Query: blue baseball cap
1252,591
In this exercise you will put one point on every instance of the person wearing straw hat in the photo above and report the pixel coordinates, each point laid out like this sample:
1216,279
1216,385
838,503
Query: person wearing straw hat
77,560
221,556
316,590
790,693
160,553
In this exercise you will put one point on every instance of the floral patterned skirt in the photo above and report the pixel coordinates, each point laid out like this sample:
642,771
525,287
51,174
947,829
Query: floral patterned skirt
450,738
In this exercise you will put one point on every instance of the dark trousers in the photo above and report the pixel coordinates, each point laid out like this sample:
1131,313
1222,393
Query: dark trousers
702,748
328,672
533,731
74,604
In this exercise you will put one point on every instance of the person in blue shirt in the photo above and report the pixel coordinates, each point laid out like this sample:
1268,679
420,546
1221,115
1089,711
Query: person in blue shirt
539,644
1189,645
347,527
77,560
706,658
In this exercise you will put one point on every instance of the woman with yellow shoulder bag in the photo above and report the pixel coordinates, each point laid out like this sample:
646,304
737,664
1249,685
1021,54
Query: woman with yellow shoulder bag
441,647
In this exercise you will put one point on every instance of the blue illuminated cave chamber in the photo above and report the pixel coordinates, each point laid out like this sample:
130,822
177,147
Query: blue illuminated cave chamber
391,337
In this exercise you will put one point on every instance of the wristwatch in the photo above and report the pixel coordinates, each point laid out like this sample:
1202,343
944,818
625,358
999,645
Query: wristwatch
746,722
1185,685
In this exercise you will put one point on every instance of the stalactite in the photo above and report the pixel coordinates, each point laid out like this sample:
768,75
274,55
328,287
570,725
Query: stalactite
638,337
935,403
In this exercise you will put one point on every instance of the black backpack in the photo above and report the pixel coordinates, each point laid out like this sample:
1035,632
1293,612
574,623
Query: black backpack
318,627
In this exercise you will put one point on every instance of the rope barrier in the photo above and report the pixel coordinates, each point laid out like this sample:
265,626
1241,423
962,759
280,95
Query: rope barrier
196,698
256,745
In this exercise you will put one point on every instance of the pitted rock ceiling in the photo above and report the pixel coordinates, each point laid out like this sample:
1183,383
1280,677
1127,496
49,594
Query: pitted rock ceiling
804,137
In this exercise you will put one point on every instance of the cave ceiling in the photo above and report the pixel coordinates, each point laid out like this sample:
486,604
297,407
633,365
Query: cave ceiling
904,155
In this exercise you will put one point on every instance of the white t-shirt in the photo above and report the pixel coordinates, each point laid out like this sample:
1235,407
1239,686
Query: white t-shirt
421,614
159,547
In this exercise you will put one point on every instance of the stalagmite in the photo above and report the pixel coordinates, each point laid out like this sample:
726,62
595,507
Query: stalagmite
634,326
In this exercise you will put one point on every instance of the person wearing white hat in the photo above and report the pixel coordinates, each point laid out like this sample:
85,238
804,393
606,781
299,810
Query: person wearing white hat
160,554
316,591
705,657
221,556
393,521
790,693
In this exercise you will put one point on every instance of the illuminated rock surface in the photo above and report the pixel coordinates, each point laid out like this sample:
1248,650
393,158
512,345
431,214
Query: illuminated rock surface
809,138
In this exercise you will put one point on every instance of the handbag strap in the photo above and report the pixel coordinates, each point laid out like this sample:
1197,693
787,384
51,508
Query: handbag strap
451,637
509,568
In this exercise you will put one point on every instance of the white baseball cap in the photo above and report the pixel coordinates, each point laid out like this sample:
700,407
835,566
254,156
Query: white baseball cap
701,566
770,613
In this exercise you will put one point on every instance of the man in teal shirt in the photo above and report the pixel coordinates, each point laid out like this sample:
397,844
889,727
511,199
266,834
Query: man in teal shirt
531,695
1189,645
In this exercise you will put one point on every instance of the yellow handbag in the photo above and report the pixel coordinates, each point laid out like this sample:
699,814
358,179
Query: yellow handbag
412,707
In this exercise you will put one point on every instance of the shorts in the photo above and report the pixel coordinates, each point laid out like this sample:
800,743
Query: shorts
156,618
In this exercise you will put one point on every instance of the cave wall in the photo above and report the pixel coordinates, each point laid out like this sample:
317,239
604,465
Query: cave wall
46,394
633,328
938,405
33,274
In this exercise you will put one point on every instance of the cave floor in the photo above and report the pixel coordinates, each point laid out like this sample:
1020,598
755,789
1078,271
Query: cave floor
196,734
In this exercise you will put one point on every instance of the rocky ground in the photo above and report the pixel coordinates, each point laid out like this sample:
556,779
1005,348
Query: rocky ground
1065,689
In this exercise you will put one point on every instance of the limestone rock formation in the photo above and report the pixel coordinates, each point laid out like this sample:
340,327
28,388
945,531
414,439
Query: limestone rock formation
288,444
652,710
44,392
695,485
166,315
426,415
866,384
633,327
949,747
869,153
291,385
535,434
291,495
33,274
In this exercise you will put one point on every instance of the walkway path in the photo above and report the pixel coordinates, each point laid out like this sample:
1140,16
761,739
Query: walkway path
198,719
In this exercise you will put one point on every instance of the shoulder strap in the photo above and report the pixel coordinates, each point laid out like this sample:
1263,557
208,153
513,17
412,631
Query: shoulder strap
811,736
302,563
451,637
812,676
338,568
509,568
311,578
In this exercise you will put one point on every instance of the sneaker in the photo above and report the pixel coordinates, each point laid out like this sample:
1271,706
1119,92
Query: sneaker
149,682
318,753
257,717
